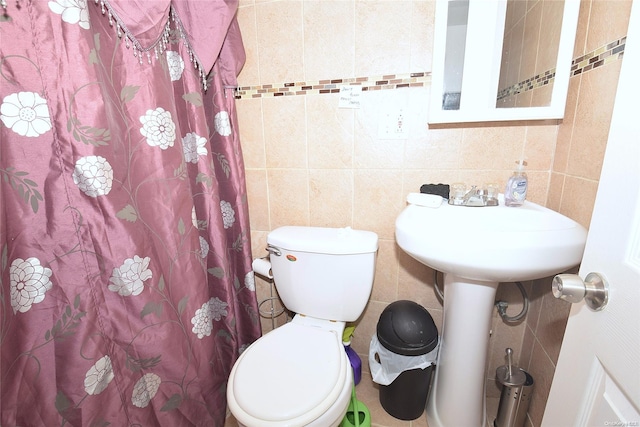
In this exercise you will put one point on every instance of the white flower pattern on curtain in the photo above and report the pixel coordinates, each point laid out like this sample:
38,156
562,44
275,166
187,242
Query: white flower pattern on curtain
98,376
194,145
145,389
214,309
222,123
26,113
29,283
93,175
137,272
72,11
129,278
175,64
158,127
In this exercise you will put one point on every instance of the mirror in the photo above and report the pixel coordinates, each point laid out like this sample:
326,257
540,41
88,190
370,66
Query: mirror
501,60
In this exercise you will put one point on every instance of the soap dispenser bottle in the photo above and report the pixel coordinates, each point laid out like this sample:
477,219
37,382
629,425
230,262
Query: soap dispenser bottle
516,191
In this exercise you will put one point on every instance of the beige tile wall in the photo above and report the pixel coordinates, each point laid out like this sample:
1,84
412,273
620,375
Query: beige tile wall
309,162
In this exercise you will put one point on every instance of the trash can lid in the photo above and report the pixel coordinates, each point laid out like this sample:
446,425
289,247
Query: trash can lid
407,328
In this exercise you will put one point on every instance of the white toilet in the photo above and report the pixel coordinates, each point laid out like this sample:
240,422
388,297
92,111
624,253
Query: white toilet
299,374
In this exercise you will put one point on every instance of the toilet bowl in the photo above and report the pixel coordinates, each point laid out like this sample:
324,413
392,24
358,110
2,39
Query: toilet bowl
307,383
299,374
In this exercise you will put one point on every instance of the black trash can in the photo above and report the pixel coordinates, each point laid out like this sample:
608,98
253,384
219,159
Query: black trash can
407,329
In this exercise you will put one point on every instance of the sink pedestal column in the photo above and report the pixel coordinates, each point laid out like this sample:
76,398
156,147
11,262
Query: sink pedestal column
457,395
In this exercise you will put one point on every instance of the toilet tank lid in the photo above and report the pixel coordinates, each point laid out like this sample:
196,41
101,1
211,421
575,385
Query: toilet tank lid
338,241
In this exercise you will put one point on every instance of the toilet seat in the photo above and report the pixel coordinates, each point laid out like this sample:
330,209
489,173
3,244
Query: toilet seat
306,373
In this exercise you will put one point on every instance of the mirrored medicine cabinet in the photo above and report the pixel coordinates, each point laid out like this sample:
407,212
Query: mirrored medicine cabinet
501,60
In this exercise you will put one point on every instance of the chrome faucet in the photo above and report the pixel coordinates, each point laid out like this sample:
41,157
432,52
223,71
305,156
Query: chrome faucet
475,197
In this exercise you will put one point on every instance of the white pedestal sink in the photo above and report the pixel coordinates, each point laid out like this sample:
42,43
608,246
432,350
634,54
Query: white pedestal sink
477,248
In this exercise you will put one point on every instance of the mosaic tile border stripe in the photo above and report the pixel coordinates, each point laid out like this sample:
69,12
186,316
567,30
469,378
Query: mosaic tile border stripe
597,58
529,84
384,82
601,56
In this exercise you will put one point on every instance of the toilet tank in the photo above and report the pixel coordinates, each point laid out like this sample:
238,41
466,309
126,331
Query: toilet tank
325,273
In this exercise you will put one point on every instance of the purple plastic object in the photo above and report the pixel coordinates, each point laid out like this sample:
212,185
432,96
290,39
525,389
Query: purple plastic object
356,363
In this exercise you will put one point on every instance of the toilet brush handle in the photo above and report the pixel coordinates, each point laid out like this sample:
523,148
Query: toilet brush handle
510,362
354,404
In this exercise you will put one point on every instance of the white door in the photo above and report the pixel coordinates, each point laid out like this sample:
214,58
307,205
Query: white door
597,380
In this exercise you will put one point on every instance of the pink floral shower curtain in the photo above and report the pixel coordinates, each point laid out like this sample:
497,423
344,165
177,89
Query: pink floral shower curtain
125,267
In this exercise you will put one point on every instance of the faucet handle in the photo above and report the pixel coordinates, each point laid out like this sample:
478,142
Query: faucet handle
492,190
457,193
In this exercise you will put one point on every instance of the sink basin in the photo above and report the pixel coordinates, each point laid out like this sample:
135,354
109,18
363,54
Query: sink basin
476,248
497,243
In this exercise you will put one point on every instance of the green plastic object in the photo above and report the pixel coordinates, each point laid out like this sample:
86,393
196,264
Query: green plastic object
348,333
357,414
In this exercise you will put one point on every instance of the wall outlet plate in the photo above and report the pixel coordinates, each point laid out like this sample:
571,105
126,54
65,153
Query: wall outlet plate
393,124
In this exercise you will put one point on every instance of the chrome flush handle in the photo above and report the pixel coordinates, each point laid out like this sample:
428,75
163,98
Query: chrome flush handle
273,250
